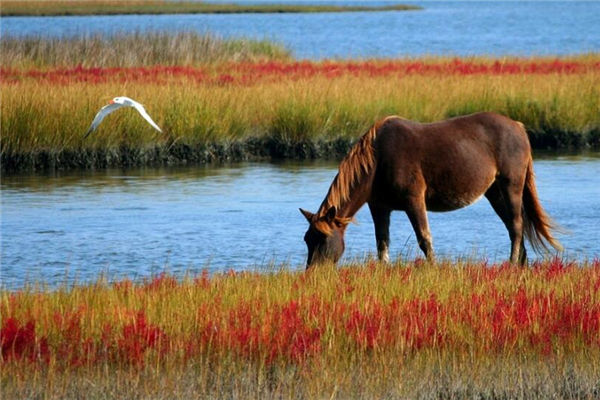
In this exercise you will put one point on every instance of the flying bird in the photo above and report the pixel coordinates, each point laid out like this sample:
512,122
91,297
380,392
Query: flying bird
115,104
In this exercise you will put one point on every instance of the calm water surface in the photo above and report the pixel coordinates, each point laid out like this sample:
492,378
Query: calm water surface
138,222
441,28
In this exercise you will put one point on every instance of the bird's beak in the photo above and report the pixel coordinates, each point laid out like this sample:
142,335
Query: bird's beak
111,102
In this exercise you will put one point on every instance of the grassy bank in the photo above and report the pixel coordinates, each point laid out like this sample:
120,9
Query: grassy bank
233,100
411,330
108,7
237,111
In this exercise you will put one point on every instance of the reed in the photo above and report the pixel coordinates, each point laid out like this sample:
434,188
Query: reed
134,50
111,7
411,330
271,110
156,48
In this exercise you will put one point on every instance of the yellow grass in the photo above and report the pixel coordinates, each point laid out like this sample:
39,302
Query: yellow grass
40,116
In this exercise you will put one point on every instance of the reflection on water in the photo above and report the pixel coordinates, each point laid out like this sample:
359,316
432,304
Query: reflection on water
136,222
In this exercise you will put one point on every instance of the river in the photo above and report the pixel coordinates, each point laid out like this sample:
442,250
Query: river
133,223
462,28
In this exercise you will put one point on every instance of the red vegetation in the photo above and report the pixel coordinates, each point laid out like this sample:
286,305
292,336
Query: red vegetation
484,318
253,73
19,342
138,337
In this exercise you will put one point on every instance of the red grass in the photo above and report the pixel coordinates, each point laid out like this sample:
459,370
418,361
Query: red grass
19,342
138,337
483,318
252,73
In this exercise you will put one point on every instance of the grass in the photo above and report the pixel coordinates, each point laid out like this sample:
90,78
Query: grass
241,99
134,50
108,7
268,111
412,330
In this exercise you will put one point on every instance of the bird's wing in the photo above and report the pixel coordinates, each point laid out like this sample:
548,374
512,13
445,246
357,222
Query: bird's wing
144,114
104,111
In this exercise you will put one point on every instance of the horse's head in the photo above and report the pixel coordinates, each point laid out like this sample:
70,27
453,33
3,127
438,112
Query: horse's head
324,237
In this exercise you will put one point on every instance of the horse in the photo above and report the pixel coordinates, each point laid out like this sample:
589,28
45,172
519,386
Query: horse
415,167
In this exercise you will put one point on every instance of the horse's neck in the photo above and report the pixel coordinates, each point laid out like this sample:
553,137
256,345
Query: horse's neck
351,207
347,206
351,187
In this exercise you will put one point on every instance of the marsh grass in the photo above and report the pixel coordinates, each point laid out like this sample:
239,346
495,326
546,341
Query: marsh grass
423,377
108,7
134,49
42,124
233,100
411,330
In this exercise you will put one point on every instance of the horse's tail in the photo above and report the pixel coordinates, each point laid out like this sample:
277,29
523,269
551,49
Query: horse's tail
537,225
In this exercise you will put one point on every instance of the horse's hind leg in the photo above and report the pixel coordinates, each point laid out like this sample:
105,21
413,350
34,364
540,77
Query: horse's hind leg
417,214
381,220
508,207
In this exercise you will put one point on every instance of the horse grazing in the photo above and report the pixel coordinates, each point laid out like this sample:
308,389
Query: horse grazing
443,166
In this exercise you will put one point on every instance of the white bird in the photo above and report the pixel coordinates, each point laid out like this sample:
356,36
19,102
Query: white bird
115,104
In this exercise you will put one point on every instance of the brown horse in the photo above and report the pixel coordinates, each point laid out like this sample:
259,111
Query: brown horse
442,166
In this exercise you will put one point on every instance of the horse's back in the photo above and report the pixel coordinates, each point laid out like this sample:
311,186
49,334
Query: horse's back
483,134
454,160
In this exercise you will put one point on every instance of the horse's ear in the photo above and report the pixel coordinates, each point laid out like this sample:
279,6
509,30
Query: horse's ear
330,216
307,214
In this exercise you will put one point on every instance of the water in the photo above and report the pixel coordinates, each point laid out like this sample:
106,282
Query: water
139,222
442,28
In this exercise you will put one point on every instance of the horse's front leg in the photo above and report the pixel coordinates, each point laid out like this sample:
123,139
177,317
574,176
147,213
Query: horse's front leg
381,220
417,214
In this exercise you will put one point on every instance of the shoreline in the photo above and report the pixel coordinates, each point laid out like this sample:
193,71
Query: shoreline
251,149
90,8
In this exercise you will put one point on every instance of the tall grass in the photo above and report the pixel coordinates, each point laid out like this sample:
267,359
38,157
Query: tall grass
39,116
107,7
134,49
411,330
221,99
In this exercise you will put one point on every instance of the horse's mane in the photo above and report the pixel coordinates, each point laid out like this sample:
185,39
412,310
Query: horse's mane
359,162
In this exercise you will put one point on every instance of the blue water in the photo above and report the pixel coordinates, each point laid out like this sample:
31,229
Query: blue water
441,28
138,222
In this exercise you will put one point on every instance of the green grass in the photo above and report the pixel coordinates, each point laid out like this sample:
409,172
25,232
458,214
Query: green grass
107,7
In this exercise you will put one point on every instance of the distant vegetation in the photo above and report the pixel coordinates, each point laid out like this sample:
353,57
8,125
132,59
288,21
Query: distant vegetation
134,50
223,100
412,330
108,7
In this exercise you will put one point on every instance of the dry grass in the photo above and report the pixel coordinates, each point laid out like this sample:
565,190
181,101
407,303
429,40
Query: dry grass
132,50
